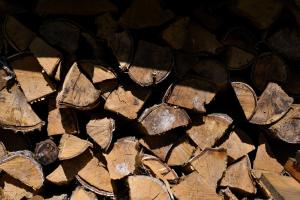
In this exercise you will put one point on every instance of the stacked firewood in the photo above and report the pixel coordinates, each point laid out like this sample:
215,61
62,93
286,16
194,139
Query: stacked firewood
150,99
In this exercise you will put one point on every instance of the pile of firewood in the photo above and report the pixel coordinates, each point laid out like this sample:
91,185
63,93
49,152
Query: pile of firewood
150,99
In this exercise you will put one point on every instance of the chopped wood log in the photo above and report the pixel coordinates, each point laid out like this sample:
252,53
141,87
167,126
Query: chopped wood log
265,159
140,14
237,59
210,164
246,97
175,34
238,177
210,130
3,151
292,168
212,70
15,113
13,189
17,35
122,159
183,62
68,169
146,187
287,129
265,13
80,193
61,120
127,100
31,173
238,144
272,105
199,40
180,153
281,187
71,146
28,70
158,168
161,118
151,64
193,187
122,46
228,195
98,179
192,93
101,131
268,68
106,25
256,174
46,152
76,7
78,91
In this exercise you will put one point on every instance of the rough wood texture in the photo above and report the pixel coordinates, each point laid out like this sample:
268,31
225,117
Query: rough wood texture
3,151
210,165
237,59
228,195
71,146
77,91
80,193
207,132
238,177
246,97
292,168
193,187
265,159
272,105
28,70
162,118
122,159
101,131
151,64
288,128
31,173
180,153
145,187
192,93
127,101
15,113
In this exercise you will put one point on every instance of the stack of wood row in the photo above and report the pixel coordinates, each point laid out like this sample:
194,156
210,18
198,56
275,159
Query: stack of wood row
150,99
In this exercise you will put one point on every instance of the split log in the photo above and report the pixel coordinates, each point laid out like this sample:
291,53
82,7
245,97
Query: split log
207,133
180,153
28,70
162,118
46,152
78,91
272,105
237,59
61,120
122,159
159,169
287,129
15,113
101,131
210,165
96,178
238,144
192,93
238,177
265,159
268,68
80,193
127,101
74,7
183,62
151,64
213,71
145,187
71,146
292,168
106,25
140,14
193,187
31,173
265,13
246,97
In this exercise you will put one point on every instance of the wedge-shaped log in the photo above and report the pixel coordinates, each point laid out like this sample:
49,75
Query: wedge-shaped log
162,118
80,193
31,173
237,59
291,167
272,105
78,91
180,153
